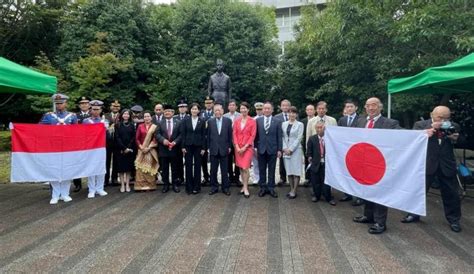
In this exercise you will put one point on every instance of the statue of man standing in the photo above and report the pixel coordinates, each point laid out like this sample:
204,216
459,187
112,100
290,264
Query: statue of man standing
219,85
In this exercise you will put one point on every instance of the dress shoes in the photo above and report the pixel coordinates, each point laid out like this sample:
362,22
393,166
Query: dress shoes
345,199
410,219
91,195
176,189
363,220
377,228
358,202
332,202
102,193
262,193
78,188
53,201
212,192
205,182
165,189
456,227
226,192
314,199
273,194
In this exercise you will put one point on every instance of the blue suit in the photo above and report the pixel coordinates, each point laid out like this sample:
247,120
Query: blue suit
268,144
59,118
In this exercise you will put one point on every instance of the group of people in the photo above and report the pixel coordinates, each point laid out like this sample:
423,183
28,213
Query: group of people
146,145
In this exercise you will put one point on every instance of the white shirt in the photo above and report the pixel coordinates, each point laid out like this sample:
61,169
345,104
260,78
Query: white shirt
194,121
375,120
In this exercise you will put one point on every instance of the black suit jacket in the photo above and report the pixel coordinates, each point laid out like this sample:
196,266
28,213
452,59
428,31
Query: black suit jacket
162,135
219,144
314,152
382,122
193,137
342,122
155,120
270,142
439,155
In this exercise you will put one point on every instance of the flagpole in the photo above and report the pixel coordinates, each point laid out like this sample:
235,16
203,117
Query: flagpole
389,114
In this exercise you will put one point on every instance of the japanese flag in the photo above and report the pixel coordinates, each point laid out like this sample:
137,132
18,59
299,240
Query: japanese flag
385,166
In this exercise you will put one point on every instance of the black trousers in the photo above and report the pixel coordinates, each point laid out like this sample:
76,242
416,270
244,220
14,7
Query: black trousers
167,163
375,212
234,171
449,194
108,162
282,171
193,168
180,166
267,162
222,161
205,169
317,182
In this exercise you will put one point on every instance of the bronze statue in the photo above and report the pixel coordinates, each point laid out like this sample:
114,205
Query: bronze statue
219,85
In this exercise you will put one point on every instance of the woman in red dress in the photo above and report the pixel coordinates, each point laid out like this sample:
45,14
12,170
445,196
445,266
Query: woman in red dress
244,131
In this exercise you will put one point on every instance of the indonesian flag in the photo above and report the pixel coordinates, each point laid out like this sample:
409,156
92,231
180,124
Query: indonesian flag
384,166
42,153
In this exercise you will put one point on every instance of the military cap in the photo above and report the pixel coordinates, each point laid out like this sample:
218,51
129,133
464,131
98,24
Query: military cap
182,102
258,105
136,108
209,99
115,103
167,106
96,103
84,99
59,98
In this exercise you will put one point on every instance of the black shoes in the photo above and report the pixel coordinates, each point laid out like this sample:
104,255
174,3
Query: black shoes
226,192
273,193
262,193
332,202
410,219
78,188
363,220
165,189
456,227
377,229
176,189
212,192
358,202
345,198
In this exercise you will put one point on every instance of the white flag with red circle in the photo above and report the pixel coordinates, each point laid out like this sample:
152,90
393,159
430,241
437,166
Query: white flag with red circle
42,153
384,166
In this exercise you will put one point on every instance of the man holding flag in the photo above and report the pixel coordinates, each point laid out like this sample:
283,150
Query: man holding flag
60,117
383,166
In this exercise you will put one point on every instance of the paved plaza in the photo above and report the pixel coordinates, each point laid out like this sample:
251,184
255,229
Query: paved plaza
155,232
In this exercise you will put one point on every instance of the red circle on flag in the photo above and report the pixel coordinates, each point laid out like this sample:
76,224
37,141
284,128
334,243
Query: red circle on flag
365,163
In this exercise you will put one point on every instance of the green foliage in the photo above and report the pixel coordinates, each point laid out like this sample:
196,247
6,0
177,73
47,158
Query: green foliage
352,48
5,141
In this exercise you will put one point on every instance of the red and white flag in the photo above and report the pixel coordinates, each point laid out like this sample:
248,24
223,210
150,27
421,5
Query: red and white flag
42,153
385,166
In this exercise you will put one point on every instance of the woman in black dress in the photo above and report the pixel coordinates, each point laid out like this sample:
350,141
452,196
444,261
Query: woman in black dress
125,148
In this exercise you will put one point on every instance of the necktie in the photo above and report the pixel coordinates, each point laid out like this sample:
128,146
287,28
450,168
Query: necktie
170,131
371,123
349,121
286,117
219,126
267,124
321,120
321,147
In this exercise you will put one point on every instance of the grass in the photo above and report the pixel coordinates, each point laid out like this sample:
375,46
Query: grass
5,140
4,167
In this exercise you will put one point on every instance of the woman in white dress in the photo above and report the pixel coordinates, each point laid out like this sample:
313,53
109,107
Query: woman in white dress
292,150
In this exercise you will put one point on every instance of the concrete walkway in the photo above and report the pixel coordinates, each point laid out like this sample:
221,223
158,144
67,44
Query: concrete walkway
155,232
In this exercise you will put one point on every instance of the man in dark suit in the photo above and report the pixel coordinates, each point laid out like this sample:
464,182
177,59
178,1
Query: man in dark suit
316,153
112,118
182,114
350,120
155,119
219,143
285,105
169,142
310,112
375,213
269,145
206,114
441,163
